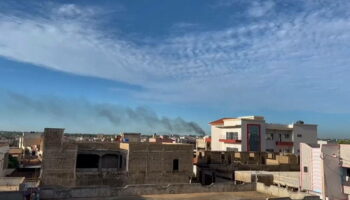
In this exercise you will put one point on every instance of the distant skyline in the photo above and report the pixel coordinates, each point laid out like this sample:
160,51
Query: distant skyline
173,66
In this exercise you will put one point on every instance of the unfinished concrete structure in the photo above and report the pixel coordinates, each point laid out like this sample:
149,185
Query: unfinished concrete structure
4,149
220,166
70,163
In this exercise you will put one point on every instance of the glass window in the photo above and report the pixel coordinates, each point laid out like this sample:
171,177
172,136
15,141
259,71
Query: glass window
253,137
232,135
305,169
286,136
299,135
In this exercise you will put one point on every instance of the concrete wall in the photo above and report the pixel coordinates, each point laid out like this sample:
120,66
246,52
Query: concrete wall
306,162
142,163
152,163
10,183
332,178
311,158
59,159
4,148
12,195
309,135
133,190
280,192
345,155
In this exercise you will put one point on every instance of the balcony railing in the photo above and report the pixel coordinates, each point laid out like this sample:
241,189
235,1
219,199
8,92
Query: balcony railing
289,144
230,141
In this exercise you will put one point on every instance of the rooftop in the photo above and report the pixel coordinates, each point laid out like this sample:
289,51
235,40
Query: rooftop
221,121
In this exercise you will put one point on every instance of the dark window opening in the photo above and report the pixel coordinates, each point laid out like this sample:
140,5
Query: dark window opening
87,161
175,165
110,161
305,169
120,162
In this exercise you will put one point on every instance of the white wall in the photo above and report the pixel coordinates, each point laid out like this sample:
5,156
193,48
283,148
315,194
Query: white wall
215,136
220,133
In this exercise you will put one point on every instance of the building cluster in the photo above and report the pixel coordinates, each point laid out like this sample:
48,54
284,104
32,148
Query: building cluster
239,150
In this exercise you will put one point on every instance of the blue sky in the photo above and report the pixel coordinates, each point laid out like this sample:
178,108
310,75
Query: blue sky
158,66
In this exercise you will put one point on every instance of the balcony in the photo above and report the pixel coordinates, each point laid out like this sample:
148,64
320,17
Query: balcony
230,141
285,144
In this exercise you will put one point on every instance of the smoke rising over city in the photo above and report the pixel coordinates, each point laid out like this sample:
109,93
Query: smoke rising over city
82,115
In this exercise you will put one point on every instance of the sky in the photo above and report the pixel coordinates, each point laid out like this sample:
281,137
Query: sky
173,66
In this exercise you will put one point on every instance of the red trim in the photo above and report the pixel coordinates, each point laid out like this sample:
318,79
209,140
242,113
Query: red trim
290,144
248,135
207,139
230,141
219,121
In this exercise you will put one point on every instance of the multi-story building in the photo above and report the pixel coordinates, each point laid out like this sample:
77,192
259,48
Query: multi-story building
325,170
252,133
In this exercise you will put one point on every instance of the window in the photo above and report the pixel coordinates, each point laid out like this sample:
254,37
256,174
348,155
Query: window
231,149
286,136
120,162
232,135
87,161
175,165
269,150
269,136
299,135
305,170
253,132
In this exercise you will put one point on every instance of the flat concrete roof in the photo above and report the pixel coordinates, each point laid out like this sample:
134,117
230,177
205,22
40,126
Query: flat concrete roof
202,196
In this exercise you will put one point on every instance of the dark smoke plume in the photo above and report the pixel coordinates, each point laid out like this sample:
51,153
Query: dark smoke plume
82,115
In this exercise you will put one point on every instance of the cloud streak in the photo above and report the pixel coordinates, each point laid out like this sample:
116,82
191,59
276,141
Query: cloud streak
297,62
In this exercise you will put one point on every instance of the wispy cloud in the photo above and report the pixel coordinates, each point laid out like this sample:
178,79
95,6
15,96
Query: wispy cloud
260,8
283,62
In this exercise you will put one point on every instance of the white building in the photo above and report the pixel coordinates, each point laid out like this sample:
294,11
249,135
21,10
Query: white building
325,170
252,133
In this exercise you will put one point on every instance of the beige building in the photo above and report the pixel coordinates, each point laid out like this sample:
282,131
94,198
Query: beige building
325,170
70,163
203,143
131,137
252,133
